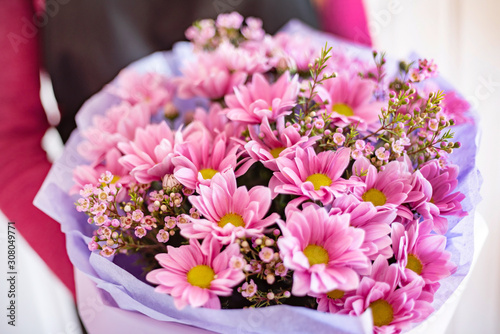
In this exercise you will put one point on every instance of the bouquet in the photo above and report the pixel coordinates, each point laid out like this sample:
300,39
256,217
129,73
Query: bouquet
248,171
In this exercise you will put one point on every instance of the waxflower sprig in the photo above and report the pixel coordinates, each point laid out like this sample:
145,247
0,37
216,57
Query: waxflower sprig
307,116
317,75
260,298
147,218
378,75
263,267
417,133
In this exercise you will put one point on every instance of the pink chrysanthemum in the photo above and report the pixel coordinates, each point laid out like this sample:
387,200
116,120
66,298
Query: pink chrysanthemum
437,185
456,107
216,121
332,301
300,49
350,101
387,189
393,310
197,277
323,250
453,105
375,223
428,292
259,42
259,98
311,175
118,124
202,155
209,77
151,89
88,174
420,253
229,212
270,144
148,156
243,60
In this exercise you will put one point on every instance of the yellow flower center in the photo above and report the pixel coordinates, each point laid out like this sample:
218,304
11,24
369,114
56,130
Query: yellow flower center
232,218
316,255
382,313
414,264
335,294
343,109
319,180
275,152
100,220
113,180
201,276
375,196
208,173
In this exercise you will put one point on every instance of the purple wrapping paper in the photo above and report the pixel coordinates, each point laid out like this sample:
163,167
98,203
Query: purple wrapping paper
125,291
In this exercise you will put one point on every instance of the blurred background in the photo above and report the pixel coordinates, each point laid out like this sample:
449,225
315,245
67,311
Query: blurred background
461,36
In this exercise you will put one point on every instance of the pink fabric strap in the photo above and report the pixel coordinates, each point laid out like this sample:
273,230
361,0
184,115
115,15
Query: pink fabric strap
345,18
24,163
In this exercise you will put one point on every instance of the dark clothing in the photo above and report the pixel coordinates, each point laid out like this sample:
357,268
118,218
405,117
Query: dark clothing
87,42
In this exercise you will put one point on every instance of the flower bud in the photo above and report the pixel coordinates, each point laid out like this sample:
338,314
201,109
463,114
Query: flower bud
169,181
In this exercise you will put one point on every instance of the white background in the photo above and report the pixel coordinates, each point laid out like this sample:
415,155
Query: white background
463,37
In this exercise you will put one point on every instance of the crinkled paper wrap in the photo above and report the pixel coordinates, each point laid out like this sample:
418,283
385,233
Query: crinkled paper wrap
129,293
